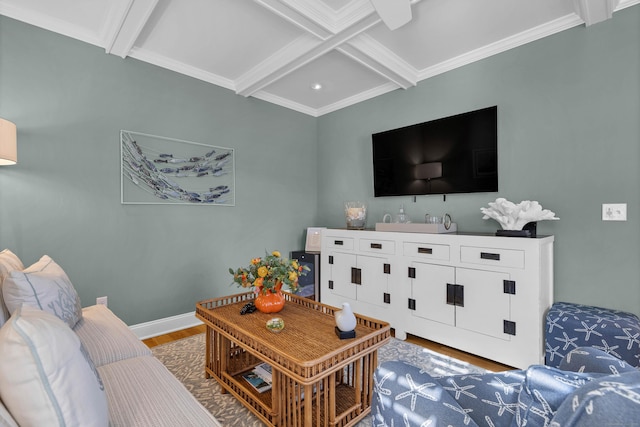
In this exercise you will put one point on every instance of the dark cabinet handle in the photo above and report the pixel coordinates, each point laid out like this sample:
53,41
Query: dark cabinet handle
488,255
428,251
455,295
376,246
338,242
356,276
459,297
451,294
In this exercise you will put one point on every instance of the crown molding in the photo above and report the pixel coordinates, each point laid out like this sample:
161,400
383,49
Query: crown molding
537,33
347,102
355,99
324,29
286,103
370,48
180,67
51,24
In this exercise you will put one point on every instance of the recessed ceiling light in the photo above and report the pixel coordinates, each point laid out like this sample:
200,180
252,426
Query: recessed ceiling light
316,86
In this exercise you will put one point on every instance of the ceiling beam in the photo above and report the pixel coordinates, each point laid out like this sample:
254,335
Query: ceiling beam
375,56
335,30
127,26
321,14
594,11
318,27
296,55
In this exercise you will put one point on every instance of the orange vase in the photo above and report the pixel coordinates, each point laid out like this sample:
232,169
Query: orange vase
270,300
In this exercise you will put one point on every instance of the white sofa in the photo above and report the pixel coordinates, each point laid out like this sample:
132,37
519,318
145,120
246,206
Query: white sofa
62,365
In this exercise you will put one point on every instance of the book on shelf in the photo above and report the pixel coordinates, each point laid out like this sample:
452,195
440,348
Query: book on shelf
263,370
260,377
256,382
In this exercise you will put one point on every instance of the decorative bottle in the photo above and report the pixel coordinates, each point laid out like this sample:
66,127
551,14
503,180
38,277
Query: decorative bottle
345,319
402,217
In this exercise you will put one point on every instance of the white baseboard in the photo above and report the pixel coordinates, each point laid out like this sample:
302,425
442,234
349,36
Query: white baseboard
164,326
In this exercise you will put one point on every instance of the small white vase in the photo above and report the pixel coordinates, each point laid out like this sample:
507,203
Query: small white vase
345,319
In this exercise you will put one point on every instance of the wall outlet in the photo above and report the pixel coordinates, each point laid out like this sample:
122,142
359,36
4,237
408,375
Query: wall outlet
101,300
614,211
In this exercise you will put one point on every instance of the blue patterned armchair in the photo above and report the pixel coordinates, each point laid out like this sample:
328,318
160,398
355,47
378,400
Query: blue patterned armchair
569,325
590,389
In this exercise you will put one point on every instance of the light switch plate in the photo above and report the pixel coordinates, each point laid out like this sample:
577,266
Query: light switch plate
314,239
614,211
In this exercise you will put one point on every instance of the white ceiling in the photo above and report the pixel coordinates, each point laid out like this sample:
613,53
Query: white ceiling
275,50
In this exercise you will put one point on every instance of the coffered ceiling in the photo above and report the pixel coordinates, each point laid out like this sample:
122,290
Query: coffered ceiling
277,50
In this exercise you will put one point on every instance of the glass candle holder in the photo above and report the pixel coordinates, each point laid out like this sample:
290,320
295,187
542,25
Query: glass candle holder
432,219
356,215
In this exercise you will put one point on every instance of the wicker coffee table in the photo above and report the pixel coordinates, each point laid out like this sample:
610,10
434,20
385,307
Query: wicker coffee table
318,379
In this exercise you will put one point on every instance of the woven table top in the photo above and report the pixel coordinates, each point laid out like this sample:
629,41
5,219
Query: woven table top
307,347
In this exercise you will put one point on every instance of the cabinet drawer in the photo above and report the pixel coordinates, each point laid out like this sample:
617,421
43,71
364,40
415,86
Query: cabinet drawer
426,251
378,246
344,243
492,256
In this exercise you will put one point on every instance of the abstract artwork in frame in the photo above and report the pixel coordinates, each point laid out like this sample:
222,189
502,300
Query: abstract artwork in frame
159,170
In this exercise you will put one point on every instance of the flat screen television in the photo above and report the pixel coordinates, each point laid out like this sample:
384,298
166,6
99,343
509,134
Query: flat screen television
457,154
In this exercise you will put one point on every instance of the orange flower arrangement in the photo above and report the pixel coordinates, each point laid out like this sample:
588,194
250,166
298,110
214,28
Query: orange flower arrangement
269,273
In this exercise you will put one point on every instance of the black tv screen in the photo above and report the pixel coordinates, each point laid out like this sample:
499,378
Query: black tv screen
457,154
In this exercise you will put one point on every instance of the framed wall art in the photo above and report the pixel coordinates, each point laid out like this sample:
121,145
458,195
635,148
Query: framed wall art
159,170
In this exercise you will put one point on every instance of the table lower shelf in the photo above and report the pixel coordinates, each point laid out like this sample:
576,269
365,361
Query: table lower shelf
347,406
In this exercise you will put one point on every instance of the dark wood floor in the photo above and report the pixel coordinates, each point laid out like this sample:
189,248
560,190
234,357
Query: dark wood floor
461,355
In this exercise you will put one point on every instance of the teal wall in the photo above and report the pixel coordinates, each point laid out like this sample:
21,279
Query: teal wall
569,137
70,100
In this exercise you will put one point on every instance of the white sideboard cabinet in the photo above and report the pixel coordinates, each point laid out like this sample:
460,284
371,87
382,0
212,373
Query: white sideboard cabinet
482,294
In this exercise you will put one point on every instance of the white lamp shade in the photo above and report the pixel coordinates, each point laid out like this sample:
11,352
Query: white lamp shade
8,143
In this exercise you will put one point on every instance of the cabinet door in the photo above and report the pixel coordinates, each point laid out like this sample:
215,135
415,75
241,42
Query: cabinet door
486,306
374,281
429,291
339,275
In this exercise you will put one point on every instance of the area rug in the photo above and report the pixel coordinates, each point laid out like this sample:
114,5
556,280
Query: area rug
185,359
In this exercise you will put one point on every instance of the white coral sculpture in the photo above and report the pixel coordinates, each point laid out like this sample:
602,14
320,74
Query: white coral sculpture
515,217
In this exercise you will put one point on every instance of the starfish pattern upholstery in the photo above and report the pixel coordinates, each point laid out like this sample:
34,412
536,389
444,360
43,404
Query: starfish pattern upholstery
569,326
591,388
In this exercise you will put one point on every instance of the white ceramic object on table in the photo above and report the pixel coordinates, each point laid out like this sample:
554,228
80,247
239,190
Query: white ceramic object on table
345,319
